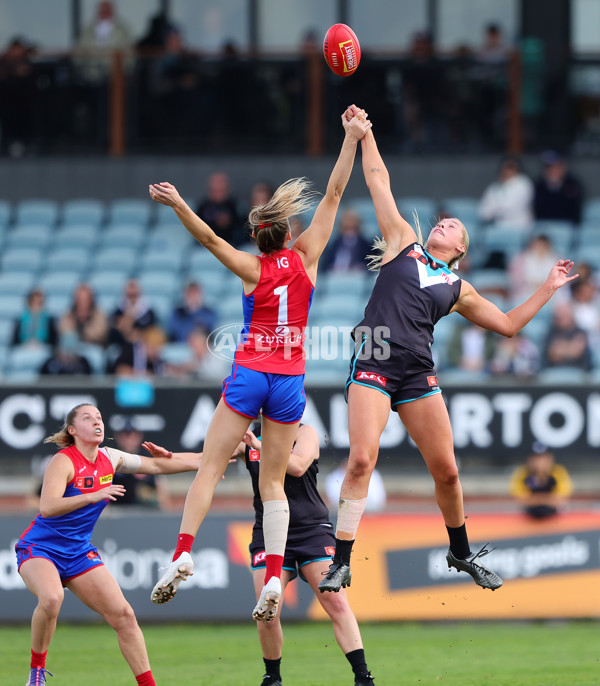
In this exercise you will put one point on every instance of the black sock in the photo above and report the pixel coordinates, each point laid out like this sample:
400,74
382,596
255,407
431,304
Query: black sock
342,551
459,542
357,659
272,667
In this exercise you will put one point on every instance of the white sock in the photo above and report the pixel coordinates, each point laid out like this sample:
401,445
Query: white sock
276,518
349,516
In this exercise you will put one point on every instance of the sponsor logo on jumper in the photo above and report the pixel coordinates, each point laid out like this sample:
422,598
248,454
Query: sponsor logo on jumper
106,479
92,555
329,550
371,376
84,482
254,455
432,380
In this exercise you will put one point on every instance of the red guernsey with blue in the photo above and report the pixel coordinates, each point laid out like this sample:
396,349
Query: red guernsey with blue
66,539
275,316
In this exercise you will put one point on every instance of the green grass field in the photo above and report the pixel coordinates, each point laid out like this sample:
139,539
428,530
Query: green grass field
461,654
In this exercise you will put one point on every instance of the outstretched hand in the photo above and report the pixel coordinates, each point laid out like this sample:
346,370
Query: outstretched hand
355,122
559,274
251,440
165,193
156,450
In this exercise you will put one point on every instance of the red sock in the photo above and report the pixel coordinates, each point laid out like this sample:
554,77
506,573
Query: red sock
38,659
274,565
184,545
145,679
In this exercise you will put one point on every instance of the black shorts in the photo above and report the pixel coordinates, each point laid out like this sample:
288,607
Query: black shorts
302,548
401,374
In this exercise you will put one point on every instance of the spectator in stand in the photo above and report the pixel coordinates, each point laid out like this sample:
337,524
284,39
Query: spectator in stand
146,490
494,49
156,35
471,348
85,318
202,364
219,210
17,75
192,313
526,268
586,309
349,250
134,312
103,36
558,194
517,356
566,344
66,360
376,496
141,356
508,200
541,486
35,326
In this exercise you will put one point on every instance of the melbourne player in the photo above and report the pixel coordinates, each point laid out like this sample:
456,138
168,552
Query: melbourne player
268,369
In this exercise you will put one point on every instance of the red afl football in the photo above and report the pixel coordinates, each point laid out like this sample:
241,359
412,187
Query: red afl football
341,50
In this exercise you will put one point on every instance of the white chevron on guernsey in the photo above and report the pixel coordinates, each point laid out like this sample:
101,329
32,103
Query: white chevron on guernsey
426,279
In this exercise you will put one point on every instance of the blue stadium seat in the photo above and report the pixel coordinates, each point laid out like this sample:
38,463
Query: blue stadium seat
365,209
83,212
123,236
591,210
7,327
24,361
457,377
230,308
95,355
16,283
339,306
326,372
588,234
176,353
59,282
69,259
463,208
22,259
426,209
11,306
108,283
130,211
561,234
170,258
76,236
352,284
58,304
37,212
162,304
28,236
159,283
166,236
489,280
201,258
5,213
107,302
537,330
116,259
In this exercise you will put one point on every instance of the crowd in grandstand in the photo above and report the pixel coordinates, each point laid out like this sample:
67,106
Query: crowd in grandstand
117,288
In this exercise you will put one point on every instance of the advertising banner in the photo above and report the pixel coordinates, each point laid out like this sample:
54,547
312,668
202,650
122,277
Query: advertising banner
488,422
399,571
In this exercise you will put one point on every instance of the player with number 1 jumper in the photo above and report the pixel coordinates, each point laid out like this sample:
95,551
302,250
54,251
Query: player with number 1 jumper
268,367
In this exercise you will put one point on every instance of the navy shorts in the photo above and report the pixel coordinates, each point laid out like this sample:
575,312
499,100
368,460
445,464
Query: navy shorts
302,548
281,397
68,564
399,373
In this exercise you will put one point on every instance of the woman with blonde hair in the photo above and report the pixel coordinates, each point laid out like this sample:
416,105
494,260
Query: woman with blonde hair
393,367
268,369
56,552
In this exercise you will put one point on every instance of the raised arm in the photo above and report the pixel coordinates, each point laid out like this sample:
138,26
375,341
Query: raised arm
396,231
241,263
484,313
312,242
